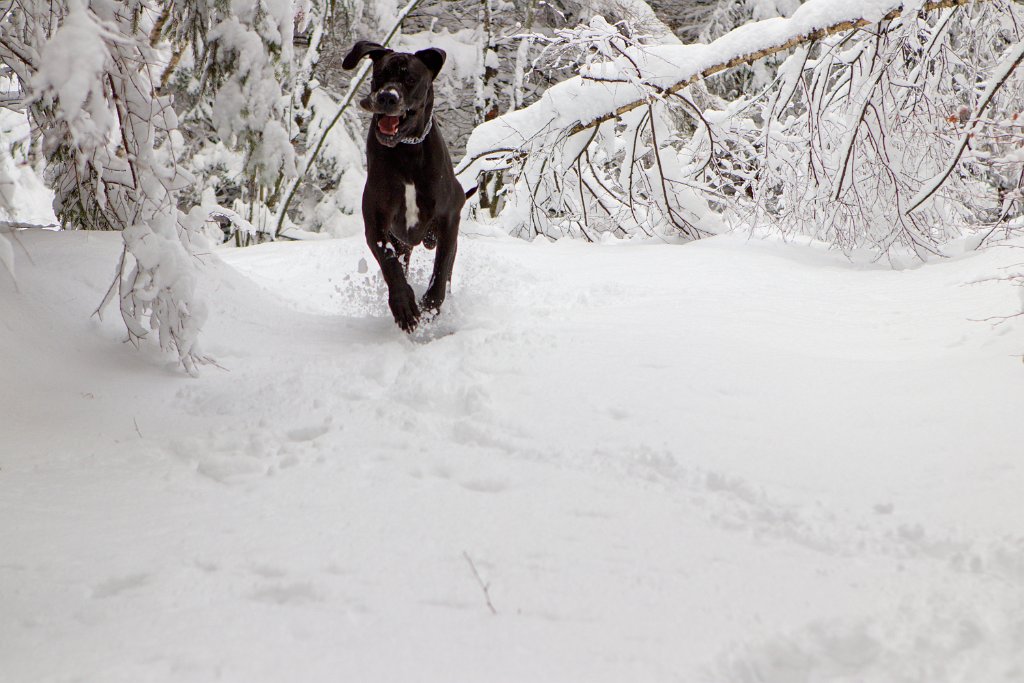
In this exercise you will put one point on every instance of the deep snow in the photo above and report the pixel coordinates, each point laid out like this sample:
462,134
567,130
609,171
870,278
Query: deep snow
730,461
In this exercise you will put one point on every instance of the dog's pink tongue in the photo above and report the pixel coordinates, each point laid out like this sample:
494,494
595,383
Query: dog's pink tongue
388,125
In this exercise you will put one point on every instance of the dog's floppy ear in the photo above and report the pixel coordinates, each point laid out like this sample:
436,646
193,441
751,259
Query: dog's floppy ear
434,59
363,48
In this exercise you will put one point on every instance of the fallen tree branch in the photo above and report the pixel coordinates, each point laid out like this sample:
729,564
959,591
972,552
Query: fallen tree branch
751,57
654,91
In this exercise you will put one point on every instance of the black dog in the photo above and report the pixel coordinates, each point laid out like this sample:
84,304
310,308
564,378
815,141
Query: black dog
411,194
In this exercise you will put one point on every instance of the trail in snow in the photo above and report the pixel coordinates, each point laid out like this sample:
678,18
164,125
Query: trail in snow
729,461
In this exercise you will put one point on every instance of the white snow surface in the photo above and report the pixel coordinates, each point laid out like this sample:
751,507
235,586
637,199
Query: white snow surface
731,461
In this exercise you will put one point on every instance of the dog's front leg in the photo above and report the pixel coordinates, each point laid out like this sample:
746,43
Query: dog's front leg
401,298
447,244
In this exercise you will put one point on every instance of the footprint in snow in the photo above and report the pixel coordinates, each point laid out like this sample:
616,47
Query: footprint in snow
235,456
432,328
485,485
287,594
227,469
118,585
309,433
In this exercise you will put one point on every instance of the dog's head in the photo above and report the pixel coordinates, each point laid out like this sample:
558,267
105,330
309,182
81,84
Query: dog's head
401,90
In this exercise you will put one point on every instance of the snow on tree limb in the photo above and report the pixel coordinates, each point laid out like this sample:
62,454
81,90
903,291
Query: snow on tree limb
605,92
836,145
88,71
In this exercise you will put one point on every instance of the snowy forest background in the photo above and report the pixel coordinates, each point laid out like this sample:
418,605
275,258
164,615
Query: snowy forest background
727,388
893,127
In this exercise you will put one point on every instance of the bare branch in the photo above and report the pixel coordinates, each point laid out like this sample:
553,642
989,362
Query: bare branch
485,587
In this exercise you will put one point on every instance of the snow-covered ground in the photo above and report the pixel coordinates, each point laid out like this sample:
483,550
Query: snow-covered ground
732,462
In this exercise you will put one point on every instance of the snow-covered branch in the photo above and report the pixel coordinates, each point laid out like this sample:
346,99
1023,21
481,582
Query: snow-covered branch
859,115
999,78
605,91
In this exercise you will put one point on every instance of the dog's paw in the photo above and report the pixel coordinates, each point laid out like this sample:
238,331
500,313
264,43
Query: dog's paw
404,309
431,304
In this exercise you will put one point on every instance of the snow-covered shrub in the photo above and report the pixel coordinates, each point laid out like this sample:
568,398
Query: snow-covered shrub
89,77
168,122
897,134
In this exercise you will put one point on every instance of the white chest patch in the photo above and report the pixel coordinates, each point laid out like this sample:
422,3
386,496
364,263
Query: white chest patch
412,212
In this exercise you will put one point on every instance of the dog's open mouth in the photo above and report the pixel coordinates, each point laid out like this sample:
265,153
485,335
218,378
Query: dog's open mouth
388,125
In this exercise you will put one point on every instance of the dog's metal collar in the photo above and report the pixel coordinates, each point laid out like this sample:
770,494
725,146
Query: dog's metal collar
423,136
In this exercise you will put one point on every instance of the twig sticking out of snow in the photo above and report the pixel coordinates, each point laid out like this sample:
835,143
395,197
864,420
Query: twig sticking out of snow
483,586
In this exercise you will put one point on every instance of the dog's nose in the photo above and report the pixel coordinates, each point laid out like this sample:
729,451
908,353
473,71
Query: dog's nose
387,98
